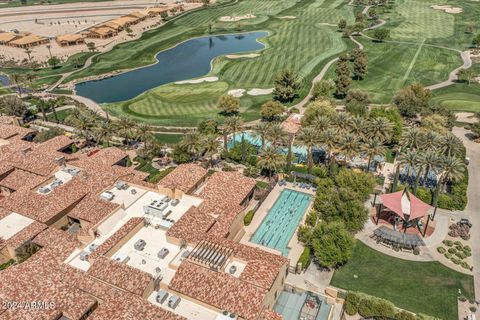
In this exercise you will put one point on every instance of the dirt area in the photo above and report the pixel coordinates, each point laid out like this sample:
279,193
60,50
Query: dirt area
464,309
287,17
259,92
467,117
200,80
58,20
236,18
448,9
239,56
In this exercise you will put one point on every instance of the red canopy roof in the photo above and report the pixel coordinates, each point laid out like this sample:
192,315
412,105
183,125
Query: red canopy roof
403,203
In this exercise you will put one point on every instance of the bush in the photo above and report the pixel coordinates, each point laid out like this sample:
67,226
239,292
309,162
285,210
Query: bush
455,260
352,301
332,244
467,253
467,248
473,309
448,243
457,243
460,254
465,265
448,255
305,258
404,315
416,251
248,217
457,198
452,250
424,194
441,250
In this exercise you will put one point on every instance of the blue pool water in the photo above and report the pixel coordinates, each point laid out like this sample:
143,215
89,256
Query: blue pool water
189,59
299,152
280,223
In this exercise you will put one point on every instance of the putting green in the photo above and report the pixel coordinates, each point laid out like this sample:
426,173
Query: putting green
459,97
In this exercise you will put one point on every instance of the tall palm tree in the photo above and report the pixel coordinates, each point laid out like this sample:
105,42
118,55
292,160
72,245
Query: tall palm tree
451,169
192,142
358,126
277,135
210,144
380,128
450,145
349,146
143,132
103,131
330,141
431,141
18,80
43,106
261,131
411,139
234,125
84,126
411,160
270,160
321,123
125,126
308,137
342,121
430,161
29,51
373,147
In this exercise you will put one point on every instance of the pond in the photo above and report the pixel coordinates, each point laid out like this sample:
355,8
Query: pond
187,60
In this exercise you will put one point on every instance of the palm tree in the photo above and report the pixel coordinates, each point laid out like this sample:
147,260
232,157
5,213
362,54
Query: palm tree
411,160
270,160
84,126
358,126
451,169
308,137
18,80
411,139
373,147
29,51
42,104
349,146
211,144
261,131
450,145
329,140
234,125
321,123
380,128
430,162
342,122
144,133
276,135
125,126
192,143
431,141
103,131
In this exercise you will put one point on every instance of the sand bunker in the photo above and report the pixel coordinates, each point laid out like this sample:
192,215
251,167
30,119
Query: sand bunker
287,17
236,18
206,79
237,93
239,56
259,92
448,9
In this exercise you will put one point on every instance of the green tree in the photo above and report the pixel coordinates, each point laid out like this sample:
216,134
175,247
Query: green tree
476,41
261,131
228,105
91,46
466,75
380,128
12,105
270,161
343,79
276,135
308,137
412,99
287,85
322,89
28,52
357,102
360,63
210,146
332,244
46,135
125,126
381,34
208,126
451,169
342,24
349,146
372,148
53,62
192,143
271,110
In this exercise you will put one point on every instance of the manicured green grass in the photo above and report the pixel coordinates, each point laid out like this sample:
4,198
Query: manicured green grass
392,66
168,138
459,97
5,91
420,287
62,114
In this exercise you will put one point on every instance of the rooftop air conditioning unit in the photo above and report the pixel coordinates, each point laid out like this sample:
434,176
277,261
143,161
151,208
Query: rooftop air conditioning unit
92,247
140,245
121,258
161,296
232,269
163,253
174,301
84,256
44,190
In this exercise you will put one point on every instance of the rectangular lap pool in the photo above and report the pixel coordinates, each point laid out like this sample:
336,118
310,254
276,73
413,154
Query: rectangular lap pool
281,221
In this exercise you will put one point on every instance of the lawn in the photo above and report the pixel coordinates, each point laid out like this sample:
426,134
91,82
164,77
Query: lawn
392,66
62,114
168,138
420,287
145,165
459,97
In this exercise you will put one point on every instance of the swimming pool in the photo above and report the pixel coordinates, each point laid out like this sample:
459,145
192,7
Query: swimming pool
281,221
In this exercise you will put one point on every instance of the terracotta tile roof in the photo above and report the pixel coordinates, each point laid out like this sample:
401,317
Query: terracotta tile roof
192,226
8,131
93,209
218,289
120,275
28,39
116,237
24,235
184,177
19,178
53,237
130,307
292,124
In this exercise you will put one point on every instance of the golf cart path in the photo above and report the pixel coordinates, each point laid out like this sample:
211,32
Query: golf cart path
472,210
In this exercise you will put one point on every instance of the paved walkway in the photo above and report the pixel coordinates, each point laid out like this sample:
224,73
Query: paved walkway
473,206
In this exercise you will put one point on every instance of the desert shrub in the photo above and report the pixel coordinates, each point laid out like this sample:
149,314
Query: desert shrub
448,243
248,217
416,251
465,265
441,250
452,250
457,243
467,248
448,255
473,309
455,260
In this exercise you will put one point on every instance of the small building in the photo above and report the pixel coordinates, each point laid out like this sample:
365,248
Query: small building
139,15
68,40
28,41
7,37
102,32
156,11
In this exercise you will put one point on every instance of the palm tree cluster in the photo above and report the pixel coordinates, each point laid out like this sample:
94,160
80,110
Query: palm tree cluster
197,144
422,154
345,137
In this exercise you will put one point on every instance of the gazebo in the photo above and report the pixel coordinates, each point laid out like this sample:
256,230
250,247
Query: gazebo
407,207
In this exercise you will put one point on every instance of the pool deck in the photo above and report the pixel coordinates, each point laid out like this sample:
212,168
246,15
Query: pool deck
296,247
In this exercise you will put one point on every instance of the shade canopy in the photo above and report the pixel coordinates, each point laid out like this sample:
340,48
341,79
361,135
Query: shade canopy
405,204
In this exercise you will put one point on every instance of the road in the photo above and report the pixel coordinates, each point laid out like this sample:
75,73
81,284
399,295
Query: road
473,206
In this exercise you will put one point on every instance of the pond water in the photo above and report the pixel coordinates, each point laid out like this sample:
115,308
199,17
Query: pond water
189,59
